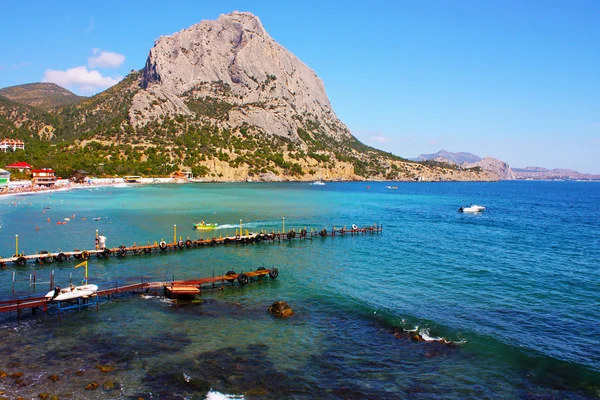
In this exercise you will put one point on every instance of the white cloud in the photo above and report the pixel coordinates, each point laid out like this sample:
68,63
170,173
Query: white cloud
379,138
105,59
86,81
433,141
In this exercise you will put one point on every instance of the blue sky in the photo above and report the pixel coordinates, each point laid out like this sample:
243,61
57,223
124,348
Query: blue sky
515,80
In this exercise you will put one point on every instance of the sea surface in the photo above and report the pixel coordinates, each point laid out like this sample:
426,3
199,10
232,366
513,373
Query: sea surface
515,289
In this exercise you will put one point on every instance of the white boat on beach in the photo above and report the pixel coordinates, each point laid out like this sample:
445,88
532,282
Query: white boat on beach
72,292
473,208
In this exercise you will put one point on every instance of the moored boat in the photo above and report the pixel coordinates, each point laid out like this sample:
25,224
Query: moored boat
72,292
473,208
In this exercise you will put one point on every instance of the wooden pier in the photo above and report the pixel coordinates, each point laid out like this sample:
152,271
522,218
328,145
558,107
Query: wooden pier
194,286
174,289
45,257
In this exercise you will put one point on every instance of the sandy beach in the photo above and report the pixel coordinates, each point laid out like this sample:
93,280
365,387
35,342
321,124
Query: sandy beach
18,188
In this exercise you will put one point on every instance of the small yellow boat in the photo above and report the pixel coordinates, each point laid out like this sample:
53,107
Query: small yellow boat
203,226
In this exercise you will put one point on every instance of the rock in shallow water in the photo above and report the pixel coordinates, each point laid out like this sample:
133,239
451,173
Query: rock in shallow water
281,309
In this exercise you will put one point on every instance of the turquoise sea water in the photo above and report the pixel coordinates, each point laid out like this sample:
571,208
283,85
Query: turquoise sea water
519,285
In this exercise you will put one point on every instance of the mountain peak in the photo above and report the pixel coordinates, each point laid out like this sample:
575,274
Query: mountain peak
234,60
246,20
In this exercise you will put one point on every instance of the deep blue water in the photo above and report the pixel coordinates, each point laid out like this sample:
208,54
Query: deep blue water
518,285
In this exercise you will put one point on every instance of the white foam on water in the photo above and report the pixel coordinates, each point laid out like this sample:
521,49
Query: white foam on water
247,225
214,395
413,330
424,333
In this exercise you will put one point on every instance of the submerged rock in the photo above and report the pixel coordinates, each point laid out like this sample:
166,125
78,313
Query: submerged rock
109,386
105,369
417,338
53,378
92,386
281,309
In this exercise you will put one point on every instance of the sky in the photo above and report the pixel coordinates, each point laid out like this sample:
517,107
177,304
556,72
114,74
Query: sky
514,80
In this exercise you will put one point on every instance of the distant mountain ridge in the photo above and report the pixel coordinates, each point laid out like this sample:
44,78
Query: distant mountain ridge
44,96
457,158
557,173
467,160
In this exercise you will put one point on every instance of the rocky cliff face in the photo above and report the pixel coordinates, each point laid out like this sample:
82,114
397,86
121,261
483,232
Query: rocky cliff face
495,166
233,60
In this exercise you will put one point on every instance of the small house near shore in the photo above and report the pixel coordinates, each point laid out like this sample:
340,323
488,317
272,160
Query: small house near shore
182,175
43,177
79,176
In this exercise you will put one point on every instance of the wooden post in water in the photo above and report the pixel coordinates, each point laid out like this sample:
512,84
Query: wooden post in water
174,233
16,245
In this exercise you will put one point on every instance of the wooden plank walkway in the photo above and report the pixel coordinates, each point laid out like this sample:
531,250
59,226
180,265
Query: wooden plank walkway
44,257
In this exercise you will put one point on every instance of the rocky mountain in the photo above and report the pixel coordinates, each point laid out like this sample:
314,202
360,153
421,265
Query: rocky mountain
491,165
457,158
234,60
221,99
40,95
495,166
544,173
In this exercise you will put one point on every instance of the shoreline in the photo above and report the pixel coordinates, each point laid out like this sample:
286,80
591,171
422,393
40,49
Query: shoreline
26,189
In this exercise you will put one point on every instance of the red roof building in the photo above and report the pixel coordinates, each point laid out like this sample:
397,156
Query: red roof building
20,166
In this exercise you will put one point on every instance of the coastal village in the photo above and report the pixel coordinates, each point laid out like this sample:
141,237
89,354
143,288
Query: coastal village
34,179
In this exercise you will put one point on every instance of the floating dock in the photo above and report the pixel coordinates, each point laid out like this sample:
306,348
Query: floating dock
45,257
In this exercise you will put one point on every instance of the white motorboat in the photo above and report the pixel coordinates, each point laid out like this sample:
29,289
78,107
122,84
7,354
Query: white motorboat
318,183
473,208
72,292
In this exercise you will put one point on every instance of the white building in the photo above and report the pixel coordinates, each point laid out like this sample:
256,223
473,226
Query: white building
12,145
